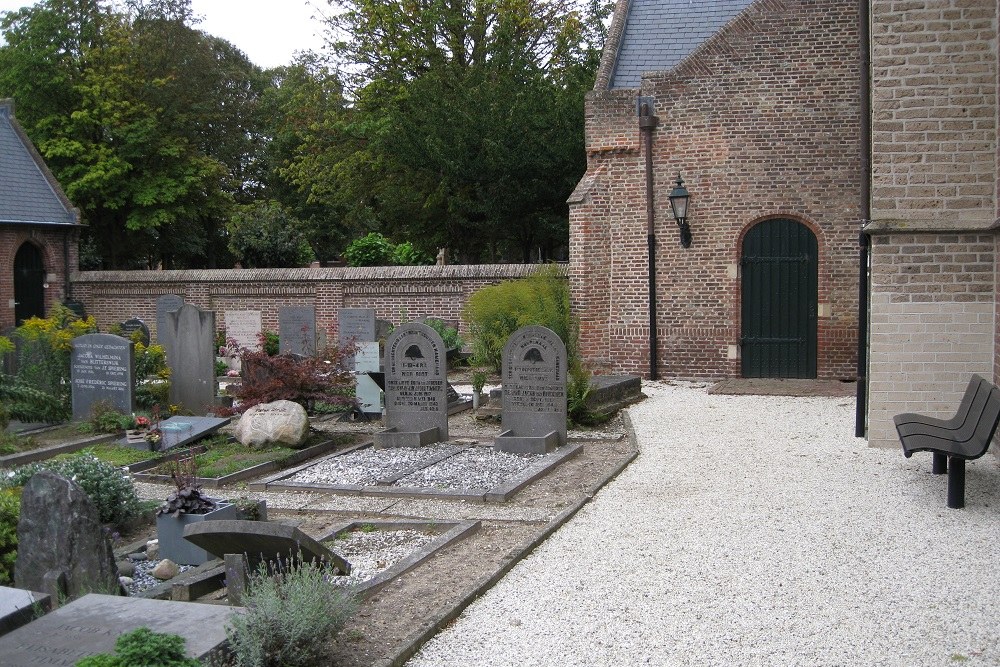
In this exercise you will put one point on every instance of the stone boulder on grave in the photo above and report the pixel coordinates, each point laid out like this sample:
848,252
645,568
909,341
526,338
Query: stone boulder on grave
280,422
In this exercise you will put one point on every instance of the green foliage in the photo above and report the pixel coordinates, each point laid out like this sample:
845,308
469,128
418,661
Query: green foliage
449,334
10,512
406,254
221,368
144,647
271,343
371,250
493,313
109,488
292,612
266,234
478,381
104,418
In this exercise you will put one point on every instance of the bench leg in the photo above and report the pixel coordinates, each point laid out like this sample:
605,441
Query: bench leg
940,464
956,483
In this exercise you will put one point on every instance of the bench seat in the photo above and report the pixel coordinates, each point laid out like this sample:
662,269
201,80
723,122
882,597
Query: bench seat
962,438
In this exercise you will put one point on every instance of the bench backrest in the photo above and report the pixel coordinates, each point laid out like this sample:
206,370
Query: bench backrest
976,446
976,410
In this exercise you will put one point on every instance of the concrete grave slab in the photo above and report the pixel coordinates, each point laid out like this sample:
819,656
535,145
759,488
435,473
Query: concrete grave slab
18,606
92,624
260,540
181,431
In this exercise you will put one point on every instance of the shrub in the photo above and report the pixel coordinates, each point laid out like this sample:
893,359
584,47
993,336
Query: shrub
270,343
266,234
29,404
493,313
10,512
104,418
452,340
291,614
150,362
108,487
143,647
371,250
406,254
284,377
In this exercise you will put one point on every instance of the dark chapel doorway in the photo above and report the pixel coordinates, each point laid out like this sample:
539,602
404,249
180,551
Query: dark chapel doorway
29,284
779,268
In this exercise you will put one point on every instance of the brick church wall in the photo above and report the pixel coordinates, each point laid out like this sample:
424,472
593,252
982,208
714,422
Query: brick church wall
50,242
761,121
934,206
396,293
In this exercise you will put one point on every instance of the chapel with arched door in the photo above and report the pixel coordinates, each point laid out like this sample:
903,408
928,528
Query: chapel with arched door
779,300
29,283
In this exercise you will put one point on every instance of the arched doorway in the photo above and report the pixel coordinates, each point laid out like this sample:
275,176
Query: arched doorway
29,281
779,300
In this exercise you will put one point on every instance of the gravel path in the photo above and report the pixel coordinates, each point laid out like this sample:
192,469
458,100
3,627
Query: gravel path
752,530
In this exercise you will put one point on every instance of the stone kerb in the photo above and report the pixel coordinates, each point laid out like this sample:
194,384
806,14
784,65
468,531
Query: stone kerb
534,392
416,388
102,369
189,343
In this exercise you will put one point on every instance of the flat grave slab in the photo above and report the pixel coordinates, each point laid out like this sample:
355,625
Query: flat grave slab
18,606
443,470
259,540
180,431
92,624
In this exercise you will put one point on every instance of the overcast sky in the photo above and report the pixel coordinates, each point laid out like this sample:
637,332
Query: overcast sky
268,31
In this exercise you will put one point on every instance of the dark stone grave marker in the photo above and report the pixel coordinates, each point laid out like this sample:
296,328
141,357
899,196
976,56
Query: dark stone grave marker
534,392
190,348
134,325
18,607
260,541
165,303
102,368
92,624
297,330
416,388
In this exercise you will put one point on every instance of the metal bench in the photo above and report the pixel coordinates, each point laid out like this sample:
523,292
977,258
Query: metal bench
964,437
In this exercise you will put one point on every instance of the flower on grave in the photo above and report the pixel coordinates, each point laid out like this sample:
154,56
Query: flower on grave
154,436
232,373
142,422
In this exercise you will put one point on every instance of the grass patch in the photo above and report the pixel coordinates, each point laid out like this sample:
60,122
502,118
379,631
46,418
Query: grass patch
118,455
15,444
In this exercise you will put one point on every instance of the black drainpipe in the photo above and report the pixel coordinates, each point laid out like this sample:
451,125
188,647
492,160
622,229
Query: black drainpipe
646,124
864,240
66,285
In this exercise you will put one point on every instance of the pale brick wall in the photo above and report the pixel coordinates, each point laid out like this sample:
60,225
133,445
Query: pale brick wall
396,293
934,70
932,324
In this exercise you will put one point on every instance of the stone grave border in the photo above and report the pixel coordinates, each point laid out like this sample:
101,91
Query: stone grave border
448,533
300,455
49,451
498,494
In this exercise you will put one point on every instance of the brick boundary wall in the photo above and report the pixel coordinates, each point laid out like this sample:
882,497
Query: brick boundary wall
397,293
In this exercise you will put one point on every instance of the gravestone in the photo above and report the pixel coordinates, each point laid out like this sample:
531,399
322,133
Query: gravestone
383,328
92,624
367,392
534,392
190,348
165,303
354,326
260,541
59,532
244,326
102,369
281,422
297,330
416,388
134,325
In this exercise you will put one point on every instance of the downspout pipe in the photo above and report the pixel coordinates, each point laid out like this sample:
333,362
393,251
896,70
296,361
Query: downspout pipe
864,240
647,123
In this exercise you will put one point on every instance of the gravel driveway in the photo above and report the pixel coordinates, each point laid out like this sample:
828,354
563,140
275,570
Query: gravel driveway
752,530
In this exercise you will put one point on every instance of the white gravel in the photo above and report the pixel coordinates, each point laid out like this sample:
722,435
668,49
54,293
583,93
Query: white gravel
752,530
364,467
371,553
474,468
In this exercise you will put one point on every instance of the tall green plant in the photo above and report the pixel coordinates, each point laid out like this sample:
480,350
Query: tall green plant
493,313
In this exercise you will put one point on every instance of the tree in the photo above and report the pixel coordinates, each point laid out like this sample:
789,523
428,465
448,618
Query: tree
265,234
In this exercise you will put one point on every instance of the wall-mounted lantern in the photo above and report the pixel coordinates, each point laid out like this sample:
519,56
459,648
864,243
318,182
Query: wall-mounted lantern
679,203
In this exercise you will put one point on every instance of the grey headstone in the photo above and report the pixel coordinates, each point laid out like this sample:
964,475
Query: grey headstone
134,325
416,386
59,531
297,330
170,533
236,578
355,324
244,326
102,368
92,624
190,348
368,394
383,328
260,541
18,607
534,392
165,303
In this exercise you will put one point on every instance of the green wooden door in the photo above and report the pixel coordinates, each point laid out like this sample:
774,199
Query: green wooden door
779,300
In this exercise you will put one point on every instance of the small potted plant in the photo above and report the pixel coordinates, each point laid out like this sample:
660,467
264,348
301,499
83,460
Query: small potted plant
187,504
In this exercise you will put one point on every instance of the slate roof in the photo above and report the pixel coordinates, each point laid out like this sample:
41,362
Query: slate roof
659,34
28,191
